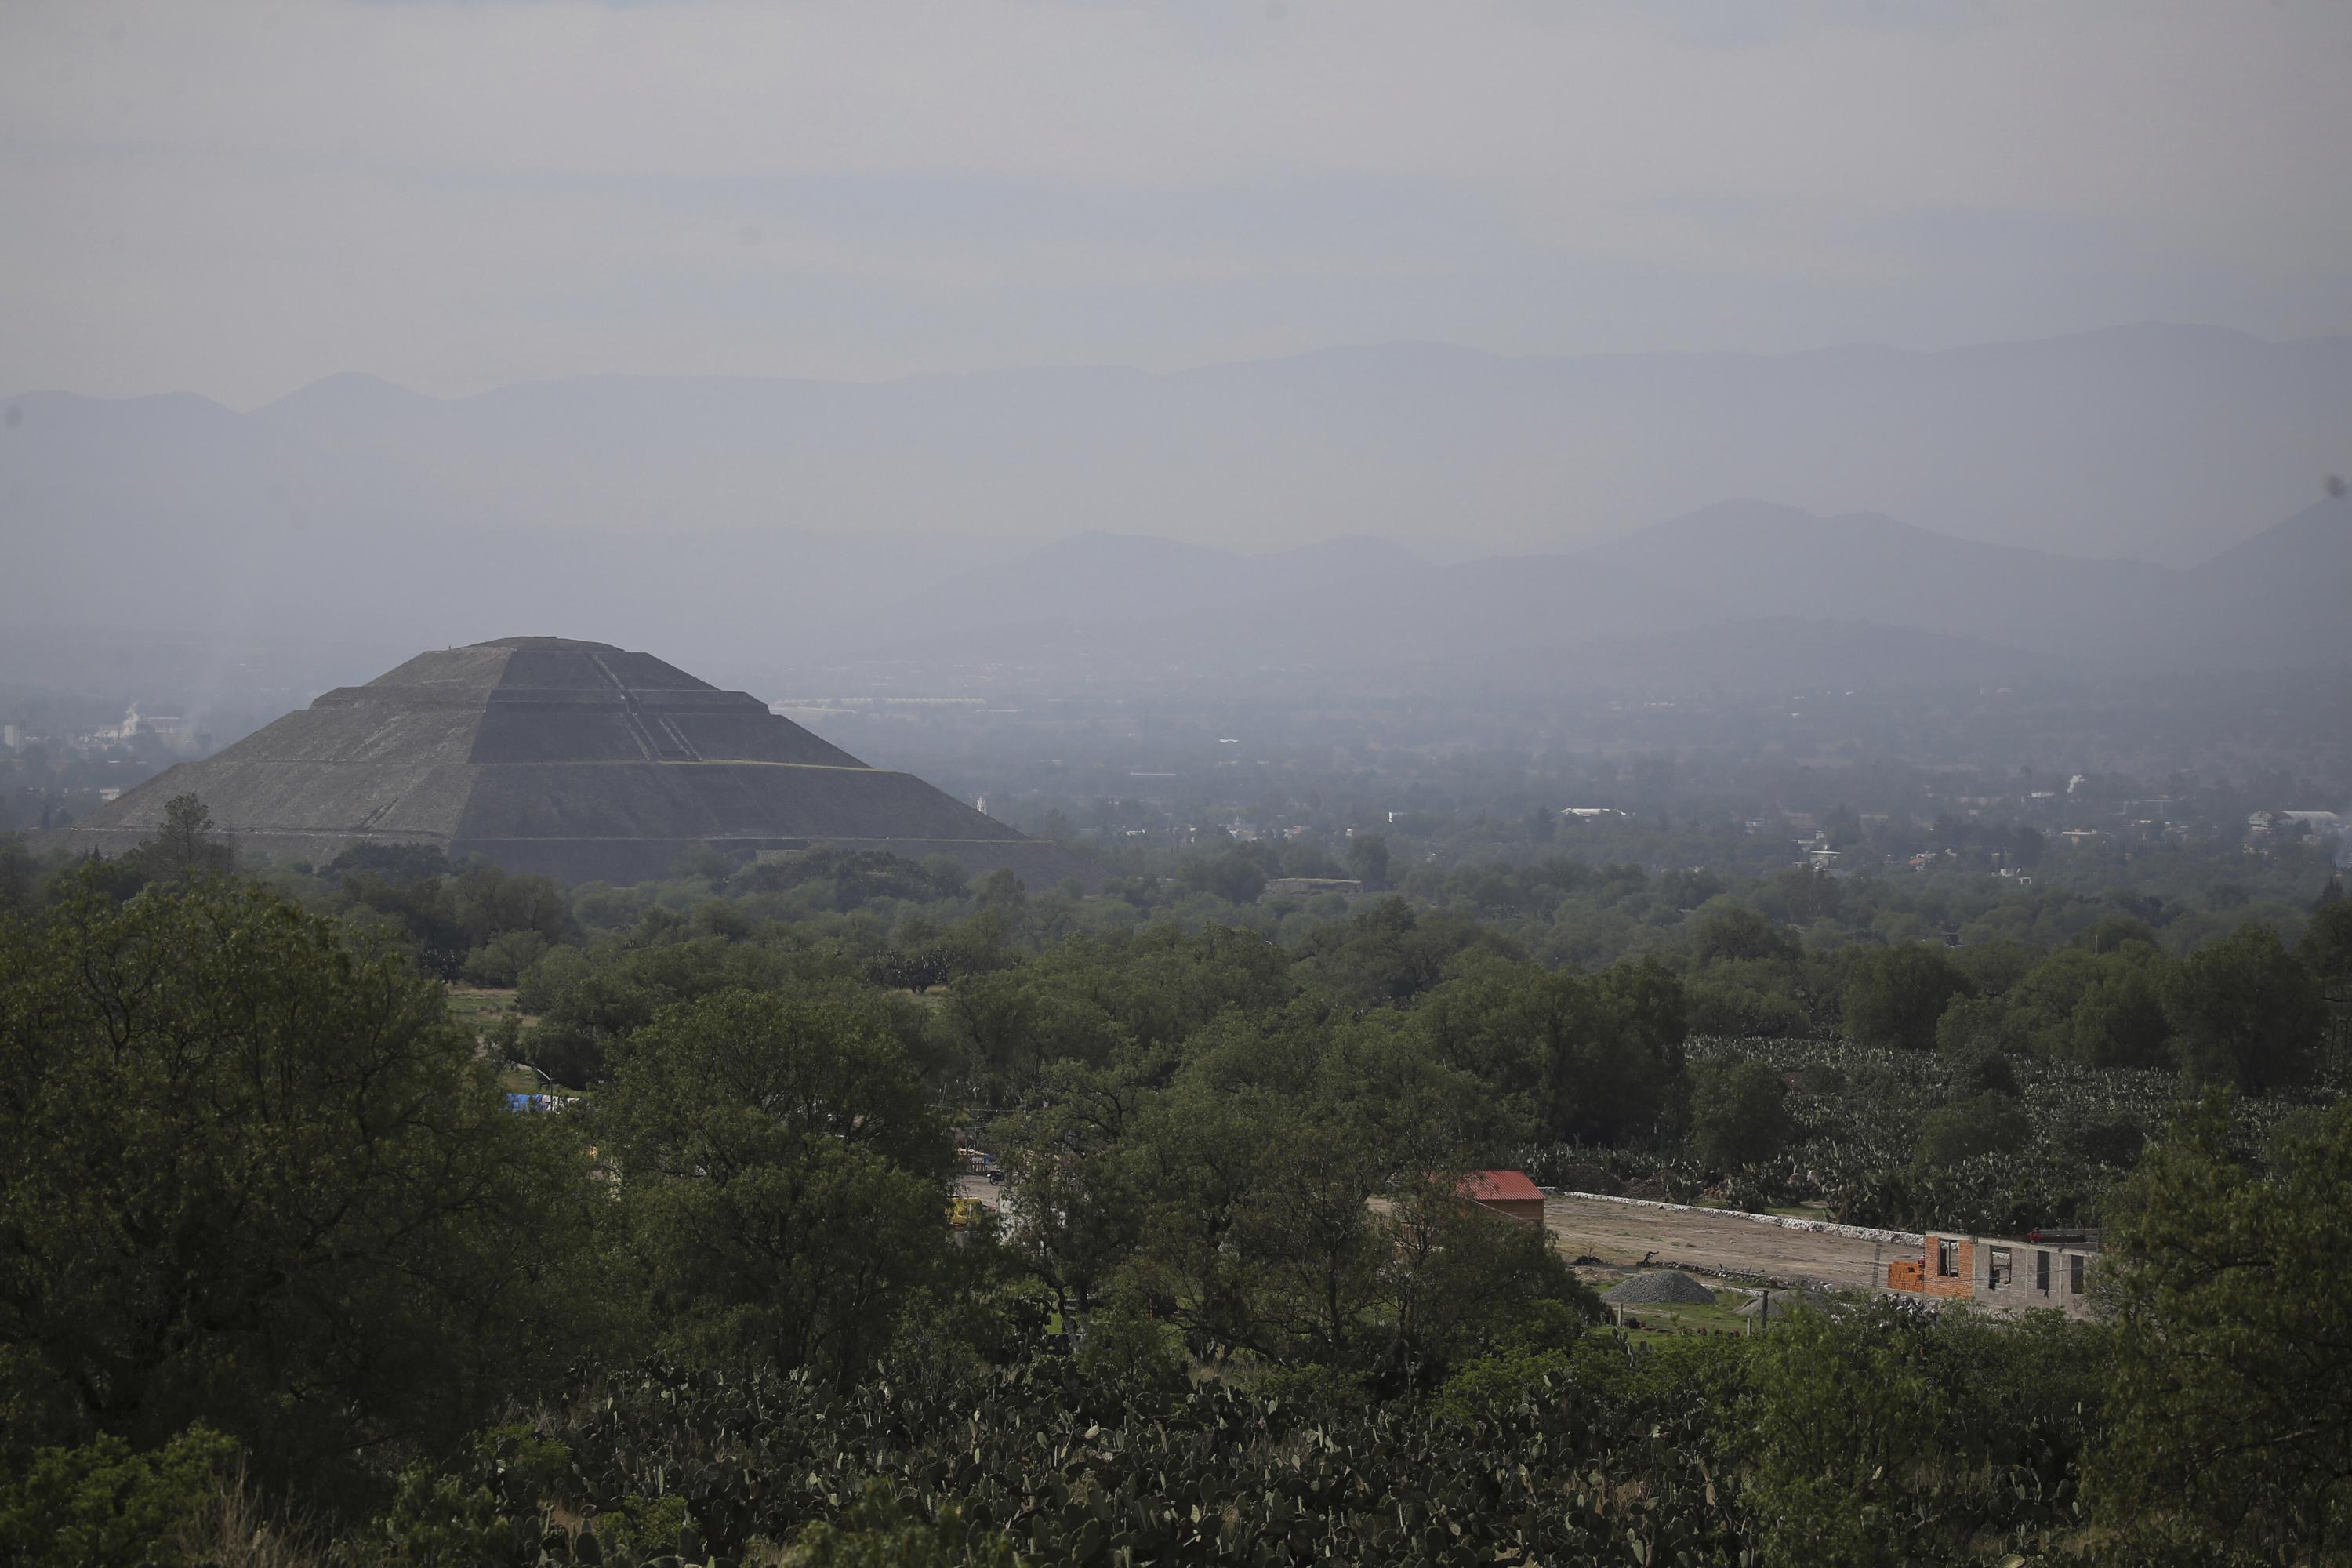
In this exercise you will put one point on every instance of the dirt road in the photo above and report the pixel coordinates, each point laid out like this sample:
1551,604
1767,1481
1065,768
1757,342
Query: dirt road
968,1186
1619,1234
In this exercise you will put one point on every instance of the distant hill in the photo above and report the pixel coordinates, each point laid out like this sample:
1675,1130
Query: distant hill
1349,605
2163,443
2283,597
1773,655
756,523
2278,599
1120,579
1737,593
680,511
1779,561
383,518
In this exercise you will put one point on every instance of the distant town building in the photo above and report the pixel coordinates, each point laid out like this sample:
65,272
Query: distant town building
1816,853
168,727
2293,822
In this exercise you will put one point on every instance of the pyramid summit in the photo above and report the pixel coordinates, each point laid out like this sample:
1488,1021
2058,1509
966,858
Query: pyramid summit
578,759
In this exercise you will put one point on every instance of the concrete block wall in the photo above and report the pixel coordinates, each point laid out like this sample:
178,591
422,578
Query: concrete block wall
1978,1274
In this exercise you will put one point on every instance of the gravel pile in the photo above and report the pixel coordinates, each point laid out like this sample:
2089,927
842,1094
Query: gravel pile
1664,1288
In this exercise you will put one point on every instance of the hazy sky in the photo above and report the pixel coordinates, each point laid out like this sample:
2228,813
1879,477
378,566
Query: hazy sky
236,199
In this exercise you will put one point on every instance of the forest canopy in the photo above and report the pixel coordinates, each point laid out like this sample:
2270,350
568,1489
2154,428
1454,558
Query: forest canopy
274,1246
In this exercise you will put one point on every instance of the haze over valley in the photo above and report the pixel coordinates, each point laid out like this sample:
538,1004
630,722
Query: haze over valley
2157,497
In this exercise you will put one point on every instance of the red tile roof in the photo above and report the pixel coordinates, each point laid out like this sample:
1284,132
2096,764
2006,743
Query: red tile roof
1512,1185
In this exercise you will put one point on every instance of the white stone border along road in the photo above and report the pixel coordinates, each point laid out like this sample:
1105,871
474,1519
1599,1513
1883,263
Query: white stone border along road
1819,1226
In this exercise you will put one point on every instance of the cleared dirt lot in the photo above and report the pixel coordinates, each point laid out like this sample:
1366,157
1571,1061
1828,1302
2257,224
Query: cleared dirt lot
1620,1233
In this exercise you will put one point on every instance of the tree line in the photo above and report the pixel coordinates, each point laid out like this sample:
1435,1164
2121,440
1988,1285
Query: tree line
272,1249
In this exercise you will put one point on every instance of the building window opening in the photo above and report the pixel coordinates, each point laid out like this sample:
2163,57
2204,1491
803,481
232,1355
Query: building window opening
1997,1277
2042,1272
1946,1260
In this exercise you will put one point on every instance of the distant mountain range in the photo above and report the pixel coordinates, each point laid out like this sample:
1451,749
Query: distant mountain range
1743,595
2279,598
1766,593
771,524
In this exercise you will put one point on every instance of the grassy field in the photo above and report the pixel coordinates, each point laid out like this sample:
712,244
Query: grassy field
1721,1318
482,1006
479,1008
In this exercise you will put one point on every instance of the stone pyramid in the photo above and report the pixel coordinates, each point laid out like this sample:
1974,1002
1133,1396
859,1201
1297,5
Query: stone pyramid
577,759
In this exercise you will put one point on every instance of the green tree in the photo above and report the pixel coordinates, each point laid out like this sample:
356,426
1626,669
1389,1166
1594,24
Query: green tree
19,871
253,1175
783,1175
489,899
1388,952
2121,1020
422,910
1233,876
2246,1013
1368,858
590,999
1739,1113
1984,1123
2231,1376
1733,933
1874,1435
1973,1027
1846,1417
2325,948
501,961
1073,1179
1300,1201
1464,1282
1586,1057
186,846
1011,1026
102,1505
2047,1007
1895,995
1164,984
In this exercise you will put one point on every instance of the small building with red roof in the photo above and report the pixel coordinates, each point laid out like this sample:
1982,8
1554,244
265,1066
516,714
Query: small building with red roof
1505,1191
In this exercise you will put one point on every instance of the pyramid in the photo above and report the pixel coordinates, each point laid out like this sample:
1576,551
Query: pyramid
577,759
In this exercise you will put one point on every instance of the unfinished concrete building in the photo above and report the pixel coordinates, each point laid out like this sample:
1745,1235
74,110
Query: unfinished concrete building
2044,1269
577,759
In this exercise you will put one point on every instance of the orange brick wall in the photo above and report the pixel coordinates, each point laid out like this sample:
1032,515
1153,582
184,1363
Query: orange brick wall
1964,1260
1528,1209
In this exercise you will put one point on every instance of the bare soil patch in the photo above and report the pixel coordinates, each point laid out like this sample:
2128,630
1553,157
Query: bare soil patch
1621,1235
